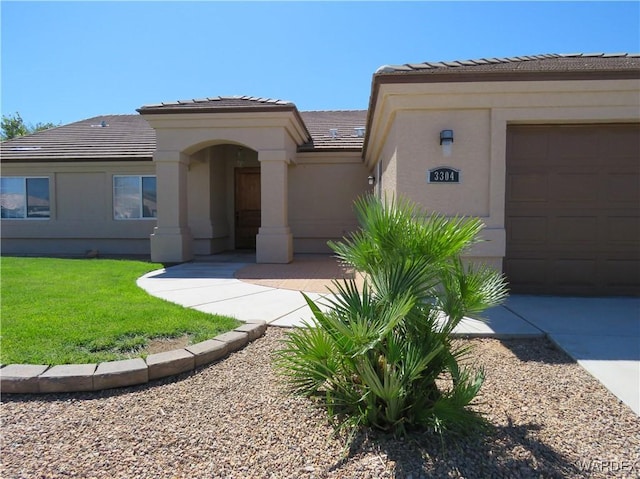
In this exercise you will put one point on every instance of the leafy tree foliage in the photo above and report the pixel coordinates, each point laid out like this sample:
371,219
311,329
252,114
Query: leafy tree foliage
14,126
383,356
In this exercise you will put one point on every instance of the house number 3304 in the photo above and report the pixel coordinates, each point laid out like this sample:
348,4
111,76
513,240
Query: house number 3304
444,175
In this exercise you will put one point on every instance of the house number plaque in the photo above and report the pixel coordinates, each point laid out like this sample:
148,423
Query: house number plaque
443,175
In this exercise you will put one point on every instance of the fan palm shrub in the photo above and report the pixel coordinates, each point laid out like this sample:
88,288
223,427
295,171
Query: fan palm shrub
383,356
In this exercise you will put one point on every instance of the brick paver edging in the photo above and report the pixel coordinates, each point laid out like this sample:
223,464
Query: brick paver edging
34,378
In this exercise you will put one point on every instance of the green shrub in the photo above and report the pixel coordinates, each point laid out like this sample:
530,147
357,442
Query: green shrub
383,356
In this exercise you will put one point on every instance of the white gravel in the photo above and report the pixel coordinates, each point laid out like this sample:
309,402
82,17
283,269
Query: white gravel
231,419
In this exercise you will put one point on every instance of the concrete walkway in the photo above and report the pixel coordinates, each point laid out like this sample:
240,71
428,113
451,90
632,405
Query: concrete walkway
601,334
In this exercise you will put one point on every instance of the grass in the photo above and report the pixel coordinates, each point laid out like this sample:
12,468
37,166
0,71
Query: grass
63,311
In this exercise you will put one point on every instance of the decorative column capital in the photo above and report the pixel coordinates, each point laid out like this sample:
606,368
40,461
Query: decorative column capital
170,156
273,155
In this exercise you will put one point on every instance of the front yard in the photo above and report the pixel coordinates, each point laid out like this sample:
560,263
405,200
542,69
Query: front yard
61,311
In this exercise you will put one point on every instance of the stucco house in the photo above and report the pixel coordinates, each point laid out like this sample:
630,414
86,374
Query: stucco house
545,149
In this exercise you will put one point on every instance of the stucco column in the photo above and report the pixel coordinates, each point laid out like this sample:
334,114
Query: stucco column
274,243
171,240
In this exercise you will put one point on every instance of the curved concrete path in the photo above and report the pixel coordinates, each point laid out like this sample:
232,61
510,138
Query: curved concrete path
601,334
213,287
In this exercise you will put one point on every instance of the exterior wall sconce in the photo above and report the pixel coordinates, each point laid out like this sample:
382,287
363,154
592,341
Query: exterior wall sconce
446,140
240,157
372,180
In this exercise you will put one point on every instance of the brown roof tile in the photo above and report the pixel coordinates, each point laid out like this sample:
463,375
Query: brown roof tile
539,63
123,137
218,103
129,137
334,130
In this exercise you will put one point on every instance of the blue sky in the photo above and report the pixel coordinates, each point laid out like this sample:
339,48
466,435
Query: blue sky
67,61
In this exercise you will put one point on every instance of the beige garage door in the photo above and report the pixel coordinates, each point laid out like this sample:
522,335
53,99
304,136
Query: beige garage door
573,209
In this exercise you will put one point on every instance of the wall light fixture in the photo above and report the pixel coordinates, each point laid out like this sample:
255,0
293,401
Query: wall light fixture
446,140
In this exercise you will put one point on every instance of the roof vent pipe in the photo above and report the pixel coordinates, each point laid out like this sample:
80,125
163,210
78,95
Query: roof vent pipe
359,131
333,132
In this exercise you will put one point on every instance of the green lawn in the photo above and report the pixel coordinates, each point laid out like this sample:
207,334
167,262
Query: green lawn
62,311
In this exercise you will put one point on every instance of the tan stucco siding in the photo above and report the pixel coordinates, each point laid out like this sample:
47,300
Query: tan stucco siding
190,133
404,137
418,153
322,189
387,171
81,215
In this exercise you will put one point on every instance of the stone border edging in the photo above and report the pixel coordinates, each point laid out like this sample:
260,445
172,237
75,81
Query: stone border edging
35,378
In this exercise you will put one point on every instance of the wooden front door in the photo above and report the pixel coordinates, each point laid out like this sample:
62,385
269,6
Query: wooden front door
247,207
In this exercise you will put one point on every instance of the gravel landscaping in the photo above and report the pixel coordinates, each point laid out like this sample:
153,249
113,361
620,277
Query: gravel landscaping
549,418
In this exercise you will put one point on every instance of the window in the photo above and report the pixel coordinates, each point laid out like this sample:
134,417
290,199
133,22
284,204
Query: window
24,197
134,197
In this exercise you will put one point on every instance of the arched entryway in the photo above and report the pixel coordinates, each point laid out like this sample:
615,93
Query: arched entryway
195,187
224,198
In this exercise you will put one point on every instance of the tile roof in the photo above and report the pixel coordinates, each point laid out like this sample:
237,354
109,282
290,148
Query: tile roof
335,130
572,62
217,103
129,137
123,137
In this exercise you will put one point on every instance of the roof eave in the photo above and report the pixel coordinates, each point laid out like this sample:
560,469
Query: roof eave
470,76
303,149
212,110
76,159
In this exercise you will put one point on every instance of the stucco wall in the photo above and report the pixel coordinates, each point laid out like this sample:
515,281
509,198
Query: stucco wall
81,199
387,170
321,191
417,153
404,137
322,188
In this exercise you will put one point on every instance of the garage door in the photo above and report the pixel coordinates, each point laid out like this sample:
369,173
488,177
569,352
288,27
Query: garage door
572,211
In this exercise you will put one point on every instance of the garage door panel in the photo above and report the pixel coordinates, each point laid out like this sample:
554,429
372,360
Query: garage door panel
528,230
576,273
623,231
574,229
572,209
528,271
622,273
581,148
623,188
574,187
530,146
525,187
622,141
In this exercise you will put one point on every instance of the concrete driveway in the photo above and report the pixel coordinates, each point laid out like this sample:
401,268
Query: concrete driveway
601,334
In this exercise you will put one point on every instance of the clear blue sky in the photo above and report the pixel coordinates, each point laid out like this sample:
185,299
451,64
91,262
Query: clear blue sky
63,62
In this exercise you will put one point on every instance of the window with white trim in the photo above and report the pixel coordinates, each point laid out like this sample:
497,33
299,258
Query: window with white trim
24,197
134,197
